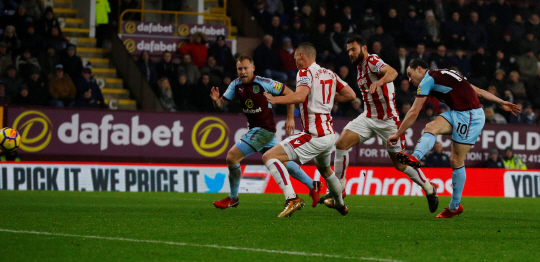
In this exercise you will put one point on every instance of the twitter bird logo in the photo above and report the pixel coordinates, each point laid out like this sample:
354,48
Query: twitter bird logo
214,184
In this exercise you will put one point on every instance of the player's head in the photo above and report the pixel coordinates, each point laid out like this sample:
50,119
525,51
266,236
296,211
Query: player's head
245,68
305,55
357,49
416,71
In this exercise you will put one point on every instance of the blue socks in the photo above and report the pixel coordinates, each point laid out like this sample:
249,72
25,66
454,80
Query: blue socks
426,143
299,174
458,182
235,174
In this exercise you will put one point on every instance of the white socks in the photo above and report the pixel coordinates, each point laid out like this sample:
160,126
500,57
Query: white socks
419,178
334,185
281,176
341,162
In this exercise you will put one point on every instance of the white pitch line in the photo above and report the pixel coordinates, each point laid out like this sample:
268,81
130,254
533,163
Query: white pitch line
199,245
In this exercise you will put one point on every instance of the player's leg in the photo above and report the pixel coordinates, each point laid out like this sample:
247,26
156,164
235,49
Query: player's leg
440,126
346,140
234,156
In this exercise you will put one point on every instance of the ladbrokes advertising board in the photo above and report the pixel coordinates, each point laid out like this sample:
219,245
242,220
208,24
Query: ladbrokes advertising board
196,138
255,179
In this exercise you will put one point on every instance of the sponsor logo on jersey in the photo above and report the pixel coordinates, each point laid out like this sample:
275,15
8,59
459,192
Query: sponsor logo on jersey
303,80
362,81
278,86
241,89
418,90
249,103
256,89
252,111
379,65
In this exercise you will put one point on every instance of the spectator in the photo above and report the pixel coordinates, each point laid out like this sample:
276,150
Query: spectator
488,103
517,88
336,110
492,117
261,14
530,116
286,56
402,62
404,94
32,40
368,22
494,161
72,62
5,58
201,98
509,45
499,82
519,118
48,60
344,73
405,107
20,19
338,39
428,114
166,95
274,6
223,54
480,7
500,8
61,88
433,29
308,18
196,48
436,158
413,28
38,91
147,67
166,67
501,62
475,33
276,31
393,24
495,31
386,40
512,161
298,35
533,25
48,21
481,65
34,9
355,109
25,62
182,92
88,93
443,108
527,64
57,40
293,8
461,61
440,8
517,27
529,43
460,7
440,60
13,83
455,32
533,90
189,69
322,17
348,21
11,39
267,60
214,71
421,53
321,41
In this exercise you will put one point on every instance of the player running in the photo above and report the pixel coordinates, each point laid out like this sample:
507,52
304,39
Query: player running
380,118
260,137
316,90
464,121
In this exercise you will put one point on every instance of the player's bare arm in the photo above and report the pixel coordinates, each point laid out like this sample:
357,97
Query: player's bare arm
345,95
409,119
294,98
219,103
390,75
505,105
289,123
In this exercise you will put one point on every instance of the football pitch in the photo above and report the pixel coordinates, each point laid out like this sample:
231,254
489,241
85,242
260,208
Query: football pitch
112,226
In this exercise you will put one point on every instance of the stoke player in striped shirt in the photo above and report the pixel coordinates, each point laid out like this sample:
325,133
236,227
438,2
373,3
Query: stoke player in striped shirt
380,118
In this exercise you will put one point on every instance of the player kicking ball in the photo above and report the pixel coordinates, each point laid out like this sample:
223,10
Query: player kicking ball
464,121
380,118
316,90
250,91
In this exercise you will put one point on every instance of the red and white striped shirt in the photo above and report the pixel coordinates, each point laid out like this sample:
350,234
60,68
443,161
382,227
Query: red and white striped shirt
315,110
381,104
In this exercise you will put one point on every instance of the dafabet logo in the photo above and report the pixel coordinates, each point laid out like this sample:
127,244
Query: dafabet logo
35,129
205,141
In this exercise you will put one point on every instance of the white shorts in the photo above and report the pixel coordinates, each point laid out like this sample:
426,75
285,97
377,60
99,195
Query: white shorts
367,128
304,147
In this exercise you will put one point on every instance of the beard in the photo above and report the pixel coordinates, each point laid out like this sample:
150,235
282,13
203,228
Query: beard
358,59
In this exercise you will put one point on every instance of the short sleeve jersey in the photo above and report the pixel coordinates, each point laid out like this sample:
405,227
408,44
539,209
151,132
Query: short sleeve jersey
451,88
254,104
315,110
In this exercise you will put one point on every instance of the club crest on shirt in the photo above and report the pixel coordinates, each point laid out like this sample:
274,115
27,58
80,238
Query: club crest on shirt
256,89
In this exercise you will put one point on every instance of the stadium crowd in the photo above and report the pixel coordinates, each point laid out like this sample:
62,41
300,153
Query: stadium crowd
38,65
493,43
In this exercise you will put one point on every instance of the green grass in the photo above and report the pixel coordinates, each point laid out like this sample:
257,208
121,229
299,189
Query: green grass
394,228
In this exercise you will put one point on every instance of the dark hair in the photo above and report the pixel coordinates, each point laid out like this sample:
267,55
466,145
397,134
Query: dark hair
418,63
356,38
244,57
